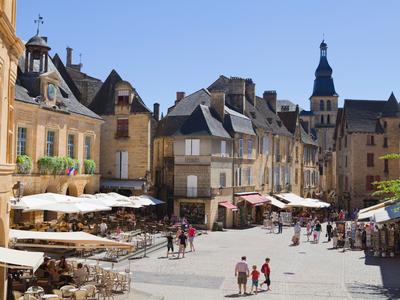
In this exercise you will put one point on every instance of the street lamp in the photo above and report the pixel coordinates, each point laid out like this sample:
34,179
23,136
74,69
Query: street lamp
18,191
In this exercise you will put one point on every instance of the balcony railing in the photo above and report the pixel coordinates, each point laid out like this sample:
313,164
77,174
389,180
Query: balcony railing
278,188
289,159
278,158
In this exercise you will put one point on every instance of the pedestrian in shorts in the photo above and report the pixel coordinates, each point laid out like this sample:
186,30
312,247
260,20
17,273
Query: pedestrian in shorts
265,269
255,275
170,244
242,273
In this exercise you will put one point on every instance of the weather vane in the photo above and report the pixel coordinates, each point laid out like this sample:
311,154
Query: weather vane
38,22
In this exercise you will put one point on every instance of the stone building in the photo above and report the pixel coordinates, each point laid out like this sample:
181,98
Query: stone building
11,49
321,118
305,169
219,150
50,122
126,136
365,131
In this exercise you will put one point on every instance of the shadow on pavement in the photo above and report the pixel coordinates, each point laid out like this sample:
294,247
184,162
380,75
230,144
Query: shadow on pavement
390,272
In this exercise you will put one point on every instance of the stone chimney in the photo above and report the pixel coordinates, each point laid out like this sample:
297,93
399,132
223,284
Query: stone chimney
270,98
236,94
156,111
218,103
250,91
69,57
179,96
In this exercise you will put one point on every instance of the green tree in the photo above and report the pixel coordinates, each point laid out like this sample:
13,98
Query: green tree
388,189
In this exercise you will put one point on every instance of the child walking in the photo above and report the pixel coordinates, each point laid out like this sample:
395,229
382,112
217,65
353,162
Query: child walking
265,269
255,275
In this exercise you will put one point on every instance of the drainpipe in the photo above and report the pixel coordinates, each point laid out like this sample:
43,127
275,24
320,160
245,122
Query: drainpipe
233,178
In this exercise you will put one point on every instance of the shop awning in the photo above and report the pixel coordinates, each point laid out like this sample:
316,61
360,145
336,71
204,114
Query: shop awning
368,212
275,202
70,239
254,199
228,205
16,259
122,184
290,197
387,213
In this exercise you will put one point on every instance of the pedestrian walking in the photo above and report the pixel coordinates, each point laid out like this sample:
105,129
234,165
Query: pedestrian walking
103,228
334,238
242,273
308,230
329,231
170,244
191,235
255,275
280,224
296,236
317,230
265,269
182,244
178,233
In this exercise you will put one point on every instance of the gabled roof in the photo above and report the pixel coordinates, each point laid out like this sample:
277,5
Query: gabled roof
27,89
63,71
202,122
104,102
362,115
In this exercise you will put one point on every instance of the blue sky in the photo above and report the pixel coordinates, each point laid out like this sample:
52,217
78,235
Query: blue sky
166,46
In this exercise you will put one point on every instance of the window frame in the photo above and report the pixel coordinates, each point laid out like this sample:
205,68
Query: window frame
86,147
21,142
249,148
193,145
122,129
52,144
370,159
69,145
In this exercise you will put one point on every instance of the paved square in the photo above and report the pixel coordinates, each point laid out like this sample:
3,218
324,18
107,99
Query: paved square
308,271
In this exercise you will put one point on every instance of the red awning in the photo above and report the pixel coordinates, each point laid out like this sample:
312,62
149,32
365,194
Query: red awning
228,205
255,199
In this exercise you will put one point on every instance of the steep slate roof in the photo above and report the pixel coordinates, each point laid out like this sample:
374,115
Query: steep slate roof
63,71
27,89
202,122
104,102
289,119
188,104
391,108
362,115
236,122
274,122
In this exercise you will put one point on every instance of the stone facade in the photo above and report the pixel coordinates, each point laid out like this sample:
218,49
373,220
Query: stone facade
11,48
258,160
127,136
360,140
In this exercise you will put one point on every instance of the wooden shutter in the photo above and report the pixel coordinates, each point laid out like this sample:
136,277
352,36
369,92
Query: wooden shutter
196,147
188,147
118,164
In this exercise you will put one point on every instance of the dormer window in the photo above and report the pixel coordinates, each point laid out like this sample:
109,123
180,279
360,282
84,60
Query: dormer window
123,97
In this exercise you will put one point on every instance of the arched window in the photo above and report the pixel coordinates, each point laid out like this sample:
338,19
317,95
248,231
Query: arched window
328,105
328,119
191,185
322,119
321,105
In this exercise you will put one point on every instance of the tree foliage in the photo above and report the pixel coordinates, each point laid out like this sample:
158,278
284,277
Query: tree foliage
388,189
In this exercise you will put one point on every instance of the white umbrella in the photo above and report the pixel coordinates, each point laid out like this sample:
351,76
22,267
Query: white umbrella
118,197
70,206
40,200
142,200
152,199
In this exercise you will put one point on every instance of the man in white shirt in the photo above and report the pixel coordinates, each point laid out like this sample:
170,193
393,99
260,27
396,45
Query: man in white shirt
242,272
80,275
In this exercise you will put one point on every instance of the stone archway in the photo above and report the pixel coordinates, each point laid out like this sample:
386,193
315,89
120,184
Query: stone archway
72,190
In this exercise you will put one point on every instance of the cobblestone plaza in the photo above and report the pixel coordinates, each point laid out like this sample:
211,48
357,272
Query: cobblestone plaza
308,271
